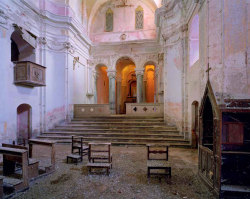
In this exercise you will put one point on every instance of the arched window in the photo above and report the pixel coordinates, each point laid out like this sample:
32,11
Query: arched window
139,18
109,20
194,41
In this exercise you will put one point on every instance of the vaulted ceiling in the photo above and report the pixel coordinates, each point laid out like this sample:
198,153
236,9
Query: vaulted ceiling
94,5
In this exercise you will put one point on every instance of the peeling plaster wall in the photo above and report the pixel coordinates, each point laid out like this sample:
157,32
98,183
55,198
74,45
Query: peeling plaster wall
224,44
172,85
58,42
235,45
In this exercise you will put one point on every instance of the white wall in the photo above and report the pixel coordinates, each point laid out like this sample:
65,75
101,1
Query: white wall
57,43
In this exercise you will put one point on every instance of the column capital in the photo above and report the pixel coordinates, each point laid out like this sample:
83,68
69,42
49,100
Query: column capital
139,72
90,62
95,74
111,73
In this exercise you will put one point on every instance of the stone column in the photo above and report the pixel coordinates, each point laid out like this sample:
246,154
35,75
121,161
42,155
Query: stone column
139,76
118,93
144,88
156,82
95,76
111,75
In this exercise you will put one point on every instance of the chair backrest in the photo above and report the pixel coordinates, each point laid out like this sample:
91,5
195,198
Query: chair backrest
161,150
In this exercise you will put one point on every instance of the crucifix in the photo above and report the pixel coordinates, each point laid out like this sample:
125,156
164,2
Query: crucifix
208,70
123,4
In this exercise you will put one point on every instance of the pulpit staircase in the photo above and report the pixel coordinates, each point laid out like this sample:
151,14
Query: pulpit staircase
119,130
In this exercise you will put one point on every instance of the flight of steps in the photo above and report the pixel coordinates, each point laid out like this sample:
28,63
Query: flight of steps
118,130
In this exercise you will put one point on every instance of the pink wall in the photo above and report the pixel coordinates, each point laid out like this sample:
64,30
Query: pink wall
235,28
56,7
124,23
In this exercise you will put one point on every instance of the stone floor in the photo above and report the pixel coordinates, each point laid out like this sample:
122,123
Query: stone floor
127,179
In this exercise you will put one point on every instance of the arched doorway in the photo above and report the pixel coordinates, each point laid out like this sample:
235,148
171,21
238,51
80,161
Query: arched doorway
102,85
149,93
126,85
195,123
23,123
195,117
207,124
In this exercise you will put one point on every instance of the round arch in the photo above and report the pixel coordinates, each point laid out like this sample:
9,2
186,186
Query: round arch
150,82
24,122
126,83
125,57
150,63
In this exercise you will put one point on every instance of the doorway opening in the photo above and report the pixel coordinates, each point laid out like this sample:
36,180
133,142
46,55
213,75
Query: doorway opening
149,84
208,125
126,84
102,85
23,123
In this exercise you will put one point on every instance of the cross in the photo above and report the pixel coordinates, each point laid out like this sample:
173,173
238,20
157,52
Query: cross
207,71
124,4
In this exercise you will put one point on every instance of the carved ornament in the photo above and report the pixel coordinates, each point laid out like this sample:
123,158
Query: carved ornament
3,17
111,73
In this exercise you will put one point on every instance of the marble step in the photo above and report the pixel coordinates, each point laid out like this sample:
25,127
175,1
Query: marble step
134,134
113,139
120,117
124,123
129,142
116,120
110,130
116,127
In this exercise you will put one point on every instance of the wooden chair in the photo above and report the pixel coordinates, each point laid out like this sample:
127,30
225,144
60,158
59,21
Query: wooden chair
158,166
100,156
82,150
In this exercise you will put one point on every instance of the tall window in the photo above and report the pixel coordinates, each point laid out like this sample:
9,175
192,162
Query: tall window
109,20
194,41
139,19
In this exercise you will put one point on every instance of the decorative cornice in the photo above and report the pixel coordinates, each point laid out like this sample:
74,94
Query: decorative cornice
42,40
3,18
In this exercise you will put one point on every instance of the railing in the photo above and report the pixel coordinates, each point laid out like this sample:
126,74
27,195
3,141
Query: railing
87,110
142,109
206,164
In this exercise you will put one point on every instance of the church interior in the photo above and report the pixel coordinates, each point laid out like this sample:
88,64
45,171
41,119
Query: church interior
153,96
